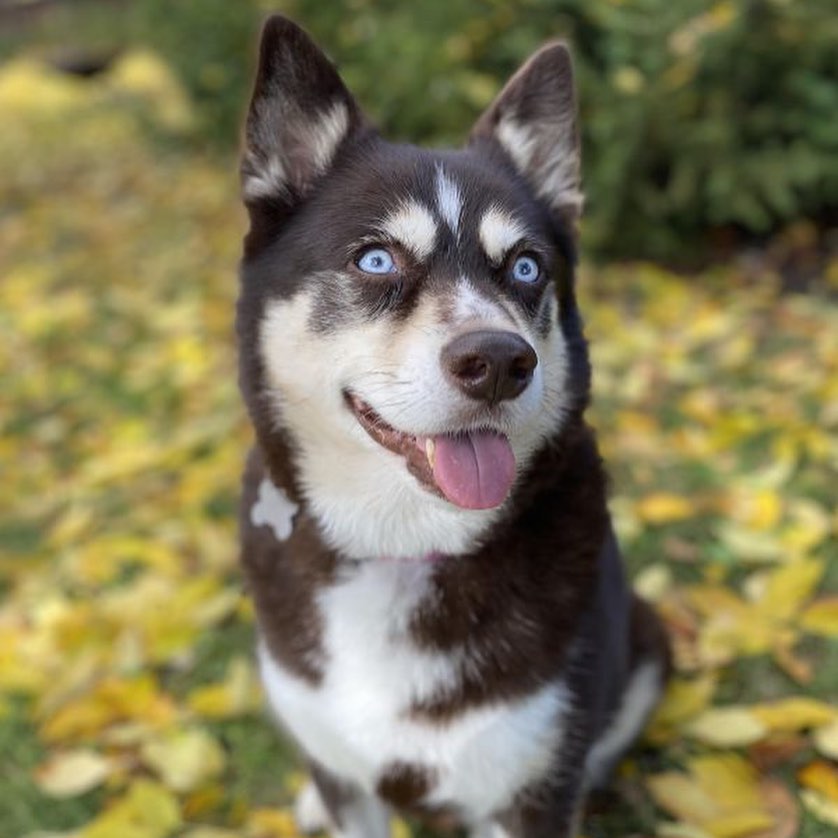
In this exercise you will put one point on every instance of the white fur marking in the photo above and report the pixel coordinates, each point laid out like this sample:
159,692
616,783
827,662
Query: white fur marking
413,226
556,176
639,698
355,721
270,180
274,509
366,817
499,233
327,131
489,830
449,200
309,810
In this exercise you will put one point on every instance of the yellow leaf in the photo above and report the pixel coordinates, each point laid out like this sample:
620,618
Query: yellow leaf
110,701
750,546
754,508
271,823
147,810
810,526
738,823
719,795
826,740
726,727
664,507
792,714
653,581
824,809
821,617
184,759
70,773
667,829
711,600
682,700
237,694
820,776
789,587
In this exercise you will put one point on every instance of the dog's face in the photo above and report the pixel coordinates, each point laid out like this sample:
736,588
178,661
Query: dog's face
407,317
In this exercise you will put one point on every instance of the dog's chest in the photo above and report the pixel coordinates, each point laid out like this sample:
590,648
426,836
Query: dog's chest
358,724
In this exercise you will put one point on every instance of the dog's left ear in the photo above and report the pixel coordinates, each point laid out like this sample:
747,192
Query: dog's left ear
533,120
299,116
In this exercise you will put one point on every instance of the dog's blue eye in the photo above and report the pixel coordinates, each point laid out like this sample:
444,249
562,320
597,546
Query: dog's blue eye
525,269
376,261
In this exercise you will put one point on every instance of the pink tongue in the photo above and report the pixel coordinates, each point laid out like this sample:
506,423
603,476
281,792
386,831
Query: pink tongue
474,470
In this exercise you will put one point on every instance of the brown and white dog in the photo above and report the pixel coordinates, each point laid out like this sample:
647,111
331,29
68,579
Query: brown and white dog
444,625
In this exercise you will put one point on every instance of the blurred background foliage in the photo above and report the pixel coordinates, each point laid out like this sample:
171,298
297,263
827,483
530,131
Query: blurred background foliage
706,125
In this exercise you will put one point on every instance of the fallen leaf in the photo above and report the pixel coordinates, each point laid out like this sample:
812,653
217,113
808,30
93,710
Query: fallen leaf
70,773
726,727
820,776
653,582
682,700
783,808
184,759
789,587
821,617
794,714
776,750
719,795
147,810
270,823
822,807
664,508
237,694
826,740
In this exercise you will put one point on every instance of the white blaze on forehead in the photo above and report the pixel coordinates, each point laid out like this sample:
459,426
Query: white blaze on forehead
449,200
499,232
274,509
413,226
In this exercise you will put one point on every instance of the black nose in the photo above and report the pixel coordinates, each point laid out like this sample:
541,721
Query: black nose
489,366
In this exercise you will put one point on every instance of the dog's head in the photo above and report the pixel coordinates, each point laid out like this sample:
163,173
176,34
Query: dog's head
407,321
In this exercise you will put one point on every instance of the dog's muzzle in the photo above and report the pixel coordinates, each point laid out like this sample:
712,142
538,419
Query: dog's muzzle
489,366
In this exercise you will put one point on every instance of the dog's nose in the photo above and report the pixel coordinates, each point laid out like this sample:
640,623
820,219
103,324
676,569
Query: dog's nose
489,365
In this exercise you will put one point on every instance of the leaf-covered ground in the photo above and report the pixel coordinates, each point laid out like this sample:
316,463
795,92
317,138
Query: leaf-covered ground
128,702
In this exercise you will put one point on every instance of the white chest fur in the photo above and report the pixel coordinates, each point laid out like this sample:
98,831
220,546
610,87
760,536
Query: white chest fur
355,722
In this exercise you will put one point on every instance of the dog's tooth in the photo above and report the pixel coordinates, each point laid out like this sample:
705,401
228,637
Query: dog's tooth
430,450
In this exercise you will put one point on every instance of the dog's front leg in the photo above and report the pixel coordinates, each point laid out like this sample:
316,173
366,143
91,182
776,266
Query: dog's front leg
340,808
554,813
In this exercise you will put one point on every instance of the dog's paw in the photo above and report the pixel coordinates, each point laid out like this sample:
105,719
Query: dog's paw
310,812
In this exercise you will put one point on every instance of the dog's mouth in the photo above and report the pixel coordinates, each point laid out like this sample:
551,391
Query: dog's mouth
471,469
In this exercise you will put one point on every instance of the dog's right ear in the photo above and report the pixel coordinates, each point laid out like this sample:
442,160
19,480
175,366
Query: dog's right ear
299,116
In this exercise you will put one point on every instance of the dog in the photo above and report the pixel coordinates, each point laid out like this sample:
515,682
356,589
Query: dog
444,626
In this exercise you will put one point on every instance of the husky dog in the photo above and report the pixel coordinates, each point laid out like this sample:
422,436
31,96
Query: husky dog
444,625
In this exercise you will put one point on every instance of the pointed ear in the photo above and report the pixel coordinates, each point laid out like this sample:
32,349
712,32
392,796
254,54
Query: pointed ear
533,120
299,116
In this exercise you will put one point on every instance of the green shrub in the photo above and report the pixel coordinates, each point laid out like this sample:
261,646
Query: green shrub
695,114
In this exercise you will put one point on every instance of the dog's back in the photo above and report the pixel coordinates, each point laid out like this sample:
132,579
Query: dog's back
444,625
